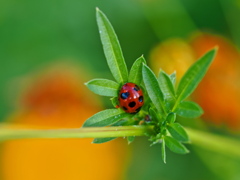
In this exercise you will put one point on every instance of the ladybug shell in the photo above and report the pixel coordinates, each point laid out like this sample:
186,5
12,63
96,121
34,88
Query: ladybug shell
131,98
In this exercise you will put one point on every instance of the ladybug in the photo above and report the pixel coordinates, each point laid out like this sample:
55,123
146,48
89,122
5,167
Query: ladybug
130,98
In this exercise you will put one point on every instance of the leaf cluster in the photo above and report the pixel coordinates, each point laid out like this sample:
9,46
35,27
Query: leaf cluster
163,99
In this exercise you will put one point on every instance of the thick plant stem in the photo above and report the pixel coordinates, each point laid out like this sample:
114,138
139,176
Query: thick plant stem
205,140
215,143
8,133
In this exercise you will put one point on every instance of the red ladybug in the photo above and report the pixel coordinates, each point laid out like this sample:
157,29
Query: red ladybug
131,98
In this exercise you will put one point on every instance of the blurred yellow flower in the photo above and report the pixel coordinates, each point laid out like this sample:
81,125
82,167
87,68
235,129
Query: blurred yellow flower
172,55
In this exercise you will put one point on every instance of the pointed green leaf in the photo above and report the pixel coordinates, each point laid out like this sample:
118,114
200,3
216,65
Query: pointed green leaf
135,75
102,140
112,48
103,87
189,109
105,118
163,151
175,146
130,139
167,88
173,78
178,132
166,85
153,89
194,75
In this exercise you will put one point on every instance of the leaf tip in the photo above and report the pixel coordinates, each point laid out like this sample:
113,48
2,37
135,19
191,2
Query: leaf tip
214,51
95,142
98,12
186,150
84,125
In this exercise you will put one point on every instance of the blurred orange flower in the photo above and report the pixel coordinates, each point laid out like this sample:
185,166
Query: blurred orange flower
219,92
58,99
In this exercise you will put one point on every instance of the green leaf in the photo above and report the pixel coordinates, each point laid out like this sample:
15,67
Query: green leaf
121,122
171,117
194,75
102,140
153,89
155,117
175,146
105,118
173,78
130,139
112,48
115,101
163,151
189,109
166,85
135,75
167,88
103,87
178,132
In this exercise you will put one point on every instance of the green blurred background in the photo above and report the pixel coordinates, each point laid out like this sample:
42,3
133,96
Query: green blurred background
36,34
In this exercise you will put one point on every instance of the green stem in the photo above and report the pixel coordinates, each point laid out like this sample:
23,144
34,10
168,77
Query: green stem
177,102
211,142
175,105
215,143
94,132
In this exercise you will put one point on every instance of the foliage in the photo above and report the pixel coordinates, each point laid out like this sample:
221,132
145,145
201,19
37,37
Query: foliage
163,100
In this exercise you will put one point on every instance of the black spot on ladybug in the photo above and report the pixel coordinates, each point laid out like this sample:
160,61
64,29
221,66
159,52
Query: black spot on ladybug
132,104
125,95
140,99
136,88
124,108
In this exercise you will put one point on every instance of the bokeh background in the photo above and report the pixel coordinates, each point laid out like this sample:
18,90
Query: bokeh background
48,49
